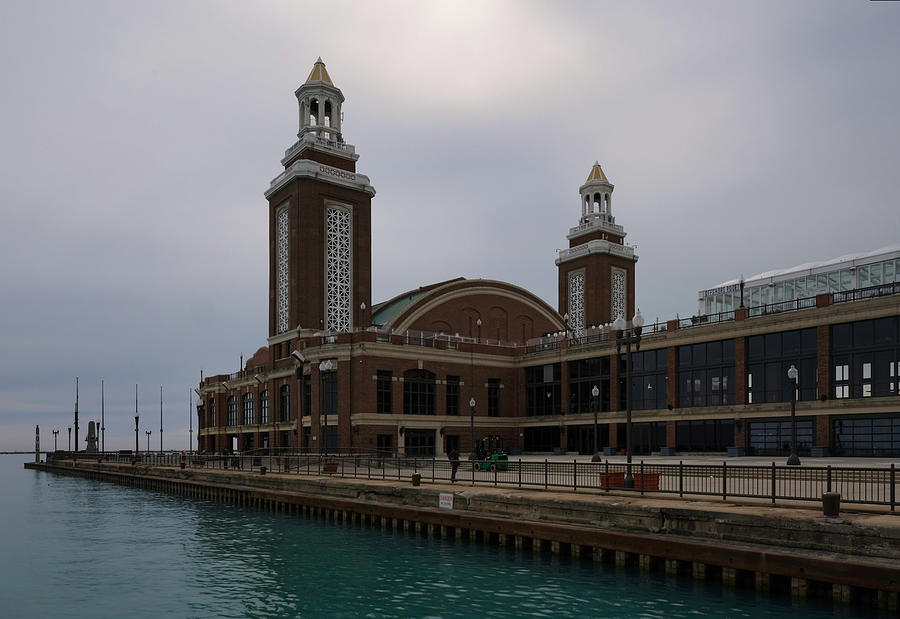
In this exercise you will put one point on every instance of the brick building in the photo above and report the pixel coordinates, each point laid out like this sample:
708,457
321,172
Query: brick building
461,362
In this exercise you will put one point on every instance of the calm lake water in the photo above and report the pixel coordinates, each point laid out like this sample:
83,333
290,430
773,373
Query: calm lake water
76,548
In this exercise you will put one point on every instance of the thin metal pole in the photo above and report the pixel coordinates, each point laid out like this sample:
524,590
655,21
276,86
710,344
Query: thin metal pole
160,421
628,482
190,420
136,446
102,419
76,414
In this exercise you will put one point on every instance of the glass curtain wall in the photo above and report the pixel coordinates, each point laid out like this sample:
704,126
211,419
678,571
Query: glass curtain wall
706,374
543,390
770,357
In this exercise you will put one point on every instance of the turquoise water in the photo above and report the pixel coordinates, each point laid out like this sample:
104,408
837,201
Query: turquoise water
77,548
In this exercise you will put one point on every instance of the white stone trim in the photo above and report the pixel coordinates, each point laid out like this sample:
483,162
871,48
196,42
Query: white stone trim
282,268
618,293
576,300
304,168
597,247
338,263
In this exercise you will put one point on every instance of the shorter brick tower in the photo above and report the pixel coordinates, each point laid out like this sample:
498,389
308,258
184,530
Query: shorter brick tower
596,272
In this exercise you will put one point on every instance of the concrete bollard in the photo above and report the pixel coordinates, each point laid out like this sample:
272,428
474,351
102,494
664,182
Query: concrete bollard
831,504
416,479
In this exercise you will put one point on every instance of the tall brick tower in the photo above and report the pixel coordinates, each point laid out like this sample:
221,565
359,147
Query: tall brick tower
320,251
596,273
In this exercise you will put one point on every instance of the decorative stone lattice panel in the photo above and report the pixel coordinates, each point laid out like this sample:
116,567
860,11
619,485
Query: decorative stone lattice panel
282,289
576,302
618,294
337,271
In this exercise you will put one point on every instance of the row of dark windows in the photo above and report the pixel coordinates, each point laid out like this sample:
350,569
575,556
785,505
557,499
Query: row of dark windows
419,393
855,436
865,363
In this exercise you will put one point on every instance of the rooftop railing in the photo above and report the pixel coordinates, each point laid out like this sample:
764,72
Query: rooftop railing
871,292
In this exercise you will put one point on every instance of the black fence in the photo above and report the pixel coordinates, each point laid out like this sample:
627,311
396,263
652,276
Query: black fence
856,485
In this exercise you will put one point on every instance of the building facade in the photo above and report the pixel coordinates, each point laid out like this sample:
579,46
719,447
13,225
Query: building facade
466,363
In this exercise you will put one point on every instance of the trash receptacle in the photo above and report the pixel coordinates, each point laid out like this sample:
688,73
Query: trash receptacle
262,470
831,504
416,479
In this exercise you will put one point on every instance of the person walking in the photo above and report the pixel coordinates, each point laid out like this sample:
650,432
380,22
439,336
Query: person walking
454,464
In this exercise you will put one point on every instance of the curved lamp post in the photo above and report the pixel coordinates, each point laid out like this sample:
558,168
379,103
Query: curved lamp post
148,433
626,337
793,459
595,392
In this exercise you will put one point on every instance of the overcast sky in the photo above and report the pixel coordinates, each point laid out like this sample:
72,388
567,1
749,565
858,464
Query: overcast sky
138,138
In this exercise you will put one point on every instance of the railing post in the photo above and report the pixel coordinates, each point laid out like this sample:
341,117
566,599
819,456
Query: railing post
724,480
398,468
681,478
433,459
773,482
893,488
575,475
546,473
642,477
828,479
520,472
606,475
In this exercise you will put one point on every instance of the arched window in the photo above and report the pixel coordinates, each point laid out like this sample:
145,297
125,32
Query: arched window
418,392
284,411
232,411
264,407
248,409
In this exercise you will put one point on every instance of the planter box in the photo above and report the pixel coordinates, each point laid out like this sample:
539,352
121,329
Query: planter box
642,481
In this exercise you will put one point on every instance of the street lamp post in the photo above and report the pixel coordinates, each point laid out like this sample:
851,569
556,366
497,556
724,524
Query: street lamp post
472,427
793,459
55,432
628,337
324,367
148,433
594,393
70,438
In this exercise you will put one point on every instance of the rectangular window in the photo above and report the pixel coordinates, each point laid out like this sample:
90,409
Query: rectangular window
453,395
384,391
841,381
493,397
330,395
264,407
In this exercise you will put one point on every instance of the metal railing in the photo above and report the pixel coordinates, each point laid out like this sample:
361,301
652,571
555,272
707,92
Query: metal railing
871,292
783,306
856,485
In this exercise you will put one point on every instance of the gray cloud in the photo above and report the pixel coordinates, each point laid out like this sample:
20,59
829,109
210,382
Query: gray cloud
138,139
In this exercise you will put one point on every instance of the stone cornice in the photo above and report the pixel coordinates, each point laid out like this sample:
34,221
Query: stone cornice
304,168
